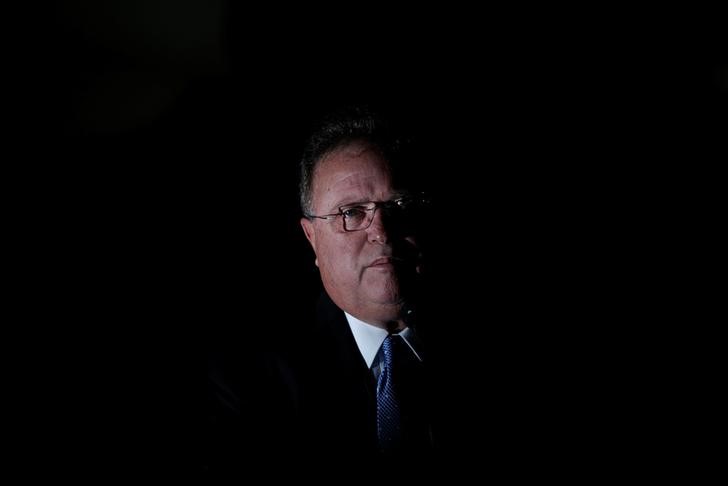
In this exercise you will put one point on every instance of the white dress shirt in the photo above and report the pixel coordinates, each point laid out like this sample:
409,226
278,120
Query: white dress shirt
369,339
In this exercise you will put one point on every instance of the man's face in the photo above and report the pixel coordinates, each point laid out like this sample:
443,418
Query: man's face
367,272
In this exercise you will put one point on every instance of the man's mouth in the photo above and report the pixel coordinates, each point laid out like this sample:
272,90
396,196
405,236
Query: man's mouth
382,262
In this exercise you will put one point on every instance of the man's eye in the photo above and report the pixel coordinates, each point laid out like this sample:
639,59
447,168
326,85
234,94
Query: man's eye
352,213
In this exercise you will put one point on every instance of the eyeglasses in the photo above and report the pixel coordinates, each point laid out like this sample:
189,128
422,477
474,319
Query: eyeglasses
406,209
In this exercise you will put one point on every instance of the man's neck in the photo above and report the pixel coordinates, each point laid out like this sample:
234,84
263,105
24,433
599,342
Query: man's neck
389,317
393,327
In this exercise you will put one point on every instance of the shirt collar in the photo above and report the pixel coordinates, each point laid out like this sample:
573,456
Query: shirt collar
369,338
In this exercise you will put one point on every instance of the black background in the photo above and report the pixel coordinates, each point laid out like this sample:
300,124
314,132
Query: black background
158,181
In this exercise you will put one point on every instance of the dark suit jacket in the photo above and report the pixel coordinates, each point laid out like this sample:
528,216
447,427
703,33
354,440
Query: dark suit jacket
309,398
335,391
497,398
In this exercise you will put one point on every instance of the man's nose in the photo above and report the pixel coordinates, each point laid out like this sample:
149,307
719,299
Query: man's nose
376,232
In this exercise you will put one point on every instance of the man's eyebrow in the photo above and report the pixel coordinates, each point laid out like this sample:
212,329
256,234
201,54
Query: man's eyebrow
351,201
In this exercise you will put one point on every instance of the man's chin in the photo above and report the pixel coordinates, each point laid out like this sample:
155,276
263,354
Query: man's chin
395,301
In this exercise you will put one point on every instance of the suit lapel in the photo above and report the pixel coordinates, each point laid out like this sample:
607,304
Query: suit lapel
346,354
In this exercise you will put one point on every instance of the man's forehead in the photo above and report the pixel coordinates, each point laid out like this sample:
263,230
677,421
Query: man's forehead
354,148
350,168
346,179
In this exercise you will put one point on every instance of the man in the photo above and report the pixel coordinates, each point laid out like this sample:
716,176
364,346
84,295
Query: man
364,387
348,380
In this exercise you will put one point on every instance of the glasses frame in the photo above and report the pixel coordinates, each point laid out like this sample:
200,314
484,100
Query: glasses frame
370,206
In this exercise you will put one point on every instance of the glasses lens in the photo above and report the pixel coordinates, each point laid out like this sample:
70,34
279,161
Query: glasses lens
355,217
404,211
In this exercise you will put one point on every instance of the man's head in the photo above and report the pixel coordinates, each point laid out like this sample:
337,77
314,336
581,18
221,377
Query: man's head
360,218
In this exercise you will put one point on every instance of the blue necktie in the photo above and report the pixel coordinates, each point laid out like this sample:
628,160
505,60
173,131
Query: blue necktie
389,425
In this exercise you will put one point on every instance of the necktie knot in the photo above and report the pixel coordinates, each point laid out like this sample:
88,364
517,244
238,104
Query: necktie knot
388,349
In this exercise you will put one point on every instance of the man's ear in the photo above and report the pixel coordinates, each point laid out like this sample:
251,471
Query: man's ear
307,226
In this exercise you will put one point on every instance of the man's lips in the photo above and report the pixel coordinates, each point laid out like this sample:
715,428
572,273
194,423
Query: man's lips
385,261
381,262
